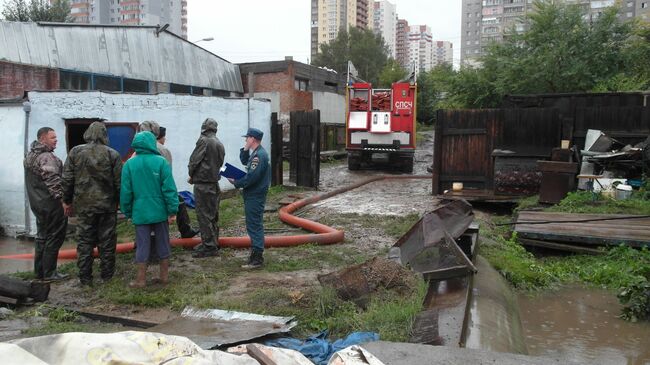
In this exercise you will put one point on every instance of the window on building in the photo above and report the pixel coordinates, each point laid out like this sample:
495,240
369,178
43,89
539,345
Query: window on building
301,84
197,90
136,86
74,81
222,93
179,89
644,5
107,83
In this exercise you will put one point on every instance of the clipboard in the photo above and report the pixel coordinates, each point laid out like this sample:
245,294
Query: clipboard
231,172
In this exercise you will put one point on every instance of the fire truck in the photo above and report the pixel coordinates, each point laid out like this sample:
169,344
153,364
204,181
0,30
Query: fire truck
380,125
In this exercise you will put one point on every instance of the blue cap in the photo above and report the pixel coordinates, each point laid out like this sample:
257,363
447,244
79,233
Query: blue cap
255,133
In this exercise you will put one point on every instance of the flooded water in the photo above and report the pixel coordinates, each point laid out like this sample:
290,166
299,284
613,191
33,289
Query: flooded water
581,324
10,246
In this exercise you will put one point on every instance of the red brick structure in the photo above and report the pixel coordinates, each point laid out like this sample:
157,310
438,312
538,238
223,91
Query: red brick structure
294,81
16,79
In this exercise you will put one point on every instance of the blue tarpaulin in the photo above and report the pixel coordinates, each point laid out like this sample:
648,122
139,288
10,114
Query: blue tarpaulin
188,198
318,349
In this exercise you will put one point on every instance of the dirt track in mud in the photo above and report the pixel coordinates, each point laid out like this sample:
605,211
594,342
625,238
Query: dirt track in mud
356,210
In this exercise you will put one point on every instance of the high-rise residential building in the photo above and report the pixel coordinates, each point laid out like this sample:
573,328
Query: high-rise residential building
385,23
132,12
420,48
443,53
402,43
329,16
643,10
485,21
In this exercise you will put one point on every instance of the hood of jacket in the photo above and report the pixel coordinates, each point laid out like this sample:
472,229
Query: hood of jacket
209,127
96,132
38,147
145,143
151,126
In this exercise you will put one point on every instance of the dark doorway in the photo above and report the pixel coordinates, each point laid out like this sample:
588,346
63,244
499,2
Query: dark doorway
305,147
120,135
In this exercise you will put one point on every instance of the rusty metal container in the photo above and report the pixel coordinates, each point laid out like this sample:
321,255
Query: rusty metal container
558,178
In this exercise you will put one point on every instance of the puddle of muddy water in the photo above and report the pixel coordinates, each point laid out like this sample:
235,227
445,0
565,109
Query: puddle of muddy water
581,324
10,246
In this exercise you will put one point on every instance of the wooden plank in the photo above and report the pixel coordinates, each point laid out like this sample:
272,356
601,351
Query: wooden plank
631,231
560,246
258,355
464,131
437,153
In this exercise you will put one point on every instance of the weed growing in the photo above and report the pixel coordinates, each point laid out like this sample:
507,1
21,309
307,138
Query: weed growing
620,268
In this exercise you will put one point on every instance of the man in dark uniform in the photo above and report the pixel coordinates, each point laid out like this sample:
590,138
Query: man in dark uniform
43,182
91,188
255,185
204,166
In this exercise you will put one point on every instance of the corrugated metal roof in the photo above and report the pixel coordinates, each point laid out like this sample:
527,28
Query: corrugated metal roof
128,51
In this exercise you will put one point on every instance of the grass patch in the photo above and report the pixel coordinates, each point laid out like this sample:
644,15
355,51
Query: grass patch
619,267
589,203
389,313
59,320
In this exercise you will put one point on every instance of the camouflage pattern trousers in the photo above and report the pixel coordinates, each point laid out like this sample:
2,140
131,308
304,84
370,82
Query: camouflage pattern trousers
96,229
50,233
207,198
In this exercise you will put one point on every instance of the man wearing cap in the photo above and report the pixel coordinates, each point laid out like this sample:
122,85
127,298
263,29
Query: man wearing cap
204,166
255,185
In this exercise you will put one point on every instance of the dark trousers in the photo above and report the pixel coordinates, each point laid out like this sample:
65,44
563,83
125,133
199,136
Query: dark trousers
254,210
183,219
207,198
96,229
51,227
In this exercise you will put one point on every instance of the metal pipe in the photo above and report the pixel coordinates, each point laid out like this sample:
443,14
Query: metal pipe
27,107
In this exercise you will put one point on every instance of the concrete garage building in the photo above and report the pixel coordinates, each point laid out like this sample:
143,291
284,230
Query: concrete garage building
66,76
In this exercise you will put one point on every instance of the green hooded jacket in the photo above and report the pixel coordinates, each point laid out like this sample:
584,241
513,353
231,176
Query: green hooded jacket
148,194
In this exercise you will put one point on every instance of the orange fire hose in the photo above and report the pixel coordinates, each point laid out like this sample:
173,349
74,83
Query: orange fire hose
323,235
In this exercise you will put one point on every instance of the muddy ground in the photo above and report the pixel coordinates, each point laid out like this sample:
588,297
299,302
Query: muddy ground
366,214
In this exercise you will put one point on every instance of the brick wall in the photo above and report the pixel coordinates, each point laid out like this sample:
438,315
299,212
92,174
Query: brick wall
282,82
15,79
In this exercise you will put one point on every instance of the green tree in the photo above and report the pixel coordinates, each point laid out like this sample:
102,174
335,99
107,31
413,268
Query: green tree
433,89
391,72
364,48
560,52
37,11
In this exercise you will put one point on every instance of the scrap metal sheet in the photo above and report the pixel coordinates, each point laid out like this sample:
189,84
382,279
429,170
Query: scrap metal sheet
212,328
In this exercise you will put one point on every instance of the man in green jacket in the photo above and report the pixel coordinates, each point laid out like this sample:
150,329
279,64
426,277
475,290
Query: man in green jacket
149,198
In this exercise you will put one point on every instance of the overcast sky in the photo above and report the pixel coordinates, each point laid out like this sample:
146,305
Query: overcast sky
265,30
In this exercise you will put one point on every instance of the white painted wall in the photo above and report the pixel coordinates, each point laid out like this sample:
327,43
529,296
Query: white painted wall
331,106
12,190
182,115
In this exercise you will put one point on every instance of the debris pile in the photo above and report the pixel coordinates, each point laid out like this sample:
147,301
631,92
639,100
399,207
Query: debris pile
358,282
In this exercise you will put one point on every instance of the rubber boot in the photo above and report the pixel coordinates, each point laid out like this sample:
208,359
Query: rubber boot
140,277
164,271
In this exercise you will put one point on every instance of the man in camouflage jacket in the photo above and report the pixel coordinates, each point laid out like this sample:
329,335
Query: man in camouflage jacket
91,189
43,182
204,166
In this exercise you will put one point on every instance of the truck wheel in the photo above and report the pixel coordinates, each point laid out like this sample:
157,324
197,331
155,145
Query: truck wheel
407,165
353,163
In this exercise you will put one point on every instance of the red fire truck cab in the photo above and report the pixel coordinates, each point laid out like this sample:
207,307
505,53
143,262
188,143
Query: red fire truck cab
381,125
